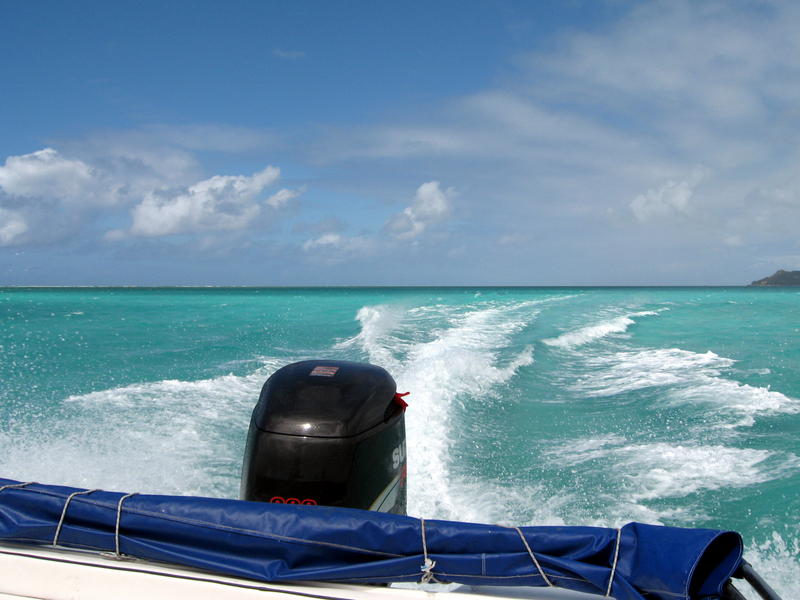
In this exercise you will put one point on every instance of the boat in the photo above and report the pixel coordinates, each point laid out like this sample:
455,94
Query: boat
322,515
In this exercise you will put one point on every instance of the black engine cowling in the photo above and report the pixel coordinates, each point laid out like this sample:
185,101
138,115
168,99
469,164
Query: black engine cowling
330,433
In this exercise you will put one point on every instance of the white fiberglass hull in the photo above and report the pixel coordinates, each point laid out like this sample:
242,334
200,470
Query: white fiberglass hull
61,574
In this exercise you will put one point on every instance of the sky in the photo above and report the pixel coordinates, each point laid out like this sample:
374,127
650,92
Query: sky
398,143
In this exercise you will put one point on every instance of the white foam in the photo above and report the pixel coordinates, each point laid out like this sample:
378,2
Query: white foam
626,371
173,437
662,470
577,452
591,333
377,324
734,397
776,560
502,502
763,371
639,474
458,359
691,378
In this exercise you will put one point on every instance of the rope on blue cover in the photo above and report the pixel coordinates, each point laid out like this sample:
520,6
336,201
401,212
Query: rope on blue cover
614,564
428,564
12,486
64,513
533,558
117,553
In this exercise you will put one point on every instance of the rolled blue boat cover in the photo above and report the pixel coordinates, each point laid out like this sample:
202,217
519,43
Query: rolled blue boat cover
279,542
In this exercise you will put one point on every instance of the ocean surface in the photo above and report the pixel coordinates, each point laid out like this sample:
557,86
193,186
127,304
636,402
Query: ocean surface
592,406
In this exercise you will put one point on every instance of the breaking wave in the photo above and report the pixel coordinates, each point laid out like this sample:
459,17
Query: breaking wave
592,333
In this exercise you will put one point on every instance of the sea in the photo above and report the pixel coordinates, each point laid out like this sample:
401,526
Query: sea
594,406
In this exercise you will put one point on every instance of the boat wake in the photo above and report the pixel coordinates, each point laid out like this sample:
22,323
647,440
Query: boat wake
449,357
592,333
168,437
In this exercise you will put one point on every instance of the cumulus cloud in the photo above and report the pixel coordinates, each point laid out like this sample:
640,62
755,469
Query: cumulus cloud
45,196
49,175
223,202
431,204
55,195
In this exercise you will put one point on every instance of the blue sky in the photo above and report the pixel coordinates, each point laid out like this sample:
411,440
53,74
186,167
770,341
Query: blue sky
379,143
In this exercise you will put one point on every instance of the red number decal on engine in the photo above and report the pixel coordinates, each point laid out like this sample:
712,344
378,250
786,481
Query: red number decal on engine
282,500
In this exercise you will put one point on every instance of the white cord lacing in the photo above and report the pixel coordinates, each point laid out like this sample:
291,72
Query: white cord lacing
64,513
117,553
12,486
614,564
533,558
428,564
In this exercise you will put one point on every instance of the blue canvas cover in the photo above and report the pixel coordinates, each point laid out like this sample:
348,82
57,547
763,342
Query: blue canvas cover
273,542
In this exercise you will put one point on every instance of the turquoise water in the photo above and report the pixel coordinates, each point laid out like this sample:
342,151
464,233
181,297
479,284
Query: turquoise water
678,406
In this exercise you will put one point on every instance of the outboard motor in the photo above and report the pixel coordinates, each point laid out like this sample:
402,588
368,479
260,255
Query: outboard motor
327,432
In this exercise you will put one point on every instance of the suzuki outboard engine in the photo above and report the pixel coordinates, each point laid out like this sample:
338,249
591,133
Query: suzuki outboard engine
327,432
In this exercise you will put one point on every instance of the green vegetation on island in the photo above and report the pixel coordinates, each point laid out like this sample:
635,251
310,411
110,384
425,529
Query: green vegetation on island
780,278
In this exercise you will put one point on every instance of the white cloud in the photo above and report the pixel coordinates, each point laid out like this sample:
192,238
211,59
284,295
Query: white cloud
601,132
282,197
46,196
160,156
672,199
326,239
13,227
52,195
223,202
47,174
333,248
431,204
573,147
679,56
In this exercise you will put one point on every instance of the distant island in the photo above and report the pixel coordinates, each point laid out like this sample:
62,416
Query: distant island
780,278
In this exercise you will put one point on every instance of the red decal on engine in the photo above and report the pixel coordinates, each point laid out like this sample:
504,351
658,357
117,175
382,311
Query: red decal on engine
322,371
282,500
